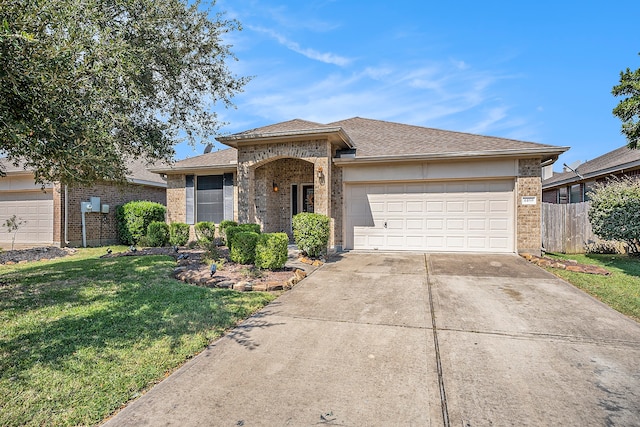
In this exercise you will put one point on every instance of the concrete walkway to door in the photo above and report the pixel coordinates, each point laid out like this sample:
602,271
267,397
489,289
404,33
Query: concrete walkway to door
354,345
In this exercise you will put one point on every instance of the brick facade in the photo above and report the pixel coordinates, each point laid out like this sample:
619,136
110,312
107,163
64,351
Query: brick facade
101,229
529,217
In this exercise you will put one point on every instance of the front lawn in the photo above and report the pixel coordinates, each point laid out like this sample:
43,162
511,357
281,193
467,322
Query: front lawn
620,290
80,336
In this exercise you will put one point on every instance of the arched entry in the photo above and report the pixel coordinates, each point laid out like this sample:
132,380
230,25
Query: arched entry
283,188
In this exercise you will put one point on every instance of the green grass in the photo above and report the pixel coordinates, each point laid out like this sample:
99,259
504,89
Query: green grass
620,290
81,336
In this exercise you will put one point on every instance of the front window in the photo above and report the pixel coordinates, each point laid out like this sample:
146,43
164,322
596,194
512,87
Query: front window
209,198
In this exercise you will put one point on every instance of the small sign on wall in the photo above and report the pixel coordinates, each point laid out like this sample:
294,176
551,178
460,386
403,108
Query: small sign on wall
529,200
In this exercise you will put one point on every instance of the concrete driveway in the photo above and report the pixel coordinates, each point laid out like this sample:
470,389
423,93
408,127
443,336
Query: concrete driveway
413,339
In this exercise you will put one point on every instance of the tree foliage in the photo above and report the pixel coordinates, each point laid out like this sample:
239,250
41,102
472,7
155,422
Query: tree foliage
628,109
87,84
615,212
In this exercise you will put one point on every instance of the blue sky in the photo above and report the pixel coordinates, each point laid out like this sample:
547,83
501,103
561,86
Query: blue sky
536,71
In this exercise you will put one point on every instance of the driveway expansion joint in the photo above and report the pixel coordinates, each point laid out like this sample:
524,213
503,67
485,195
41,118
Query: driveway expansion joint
443,394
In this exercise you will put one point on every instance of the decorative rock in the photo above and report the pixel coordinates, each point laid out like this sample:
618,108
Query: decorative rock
316,263
240,286
178,270
299,274
259,287
275,286
226,284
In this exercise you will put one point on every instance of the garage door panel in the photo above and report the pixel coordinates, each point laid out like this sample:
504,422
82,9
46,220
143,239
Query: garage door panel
435,207
477,224
455,224
395,206
501,224
445,216
455,207
415,224
477,243
415,206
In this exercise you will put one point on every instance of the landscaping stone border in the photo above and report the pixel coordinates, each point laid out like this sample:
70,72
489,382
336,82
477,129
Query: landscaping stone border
567,264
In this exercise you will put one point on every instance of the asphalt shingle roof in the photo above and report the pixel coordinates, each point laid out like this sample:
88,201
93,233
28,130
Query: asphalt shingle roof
610,162
219,158
137,171
373,138
382,138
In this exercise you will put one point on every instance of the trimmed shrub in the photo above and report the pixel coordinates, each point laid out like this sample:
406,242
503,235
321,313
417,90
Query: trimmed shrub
205,231
178,233
271,250
134,217
222,228
311,233
243,247
157,234
233,230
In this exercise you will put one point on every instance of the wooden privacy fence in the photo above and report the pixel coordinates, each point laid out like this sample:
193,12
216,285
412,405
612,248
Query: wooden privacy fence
566,227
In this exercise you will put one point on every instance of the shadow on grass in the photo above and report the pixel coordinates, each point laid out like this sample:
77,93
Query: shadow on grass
61,308
629,265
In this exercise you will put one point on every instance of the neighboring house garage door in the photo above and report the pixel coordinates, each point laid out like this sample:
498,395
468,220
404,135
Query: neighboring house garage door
460,216
36,208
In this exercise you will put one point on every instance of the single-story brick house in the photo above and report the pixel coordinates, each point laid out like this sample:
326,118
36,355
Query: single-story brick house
385,186
572,186
53,213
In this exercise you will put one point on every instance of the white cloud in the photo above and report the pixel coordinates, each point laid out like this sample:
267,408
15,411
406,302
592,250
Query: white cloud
326,57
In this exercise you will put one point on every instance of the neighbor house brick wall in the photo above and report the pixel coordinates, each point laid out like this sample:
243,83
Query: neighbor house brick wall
58,214
529,217
101,229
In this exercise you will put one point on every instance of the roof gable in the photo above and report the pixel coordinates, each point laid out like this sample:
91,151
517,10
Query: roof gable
288,126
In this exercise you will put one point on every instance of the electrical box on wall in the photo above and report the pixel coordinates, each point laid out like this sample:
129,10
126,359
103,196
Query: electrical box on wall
105,209
86,207
95,204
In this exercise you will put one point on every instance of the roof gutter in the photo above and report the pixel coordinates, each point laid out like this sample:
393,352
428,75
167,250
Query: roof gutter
546,154
194,169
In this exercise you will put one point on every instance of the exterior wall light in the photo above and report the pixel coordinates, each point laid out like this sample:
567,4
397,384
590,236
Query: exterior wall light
275,187
320,173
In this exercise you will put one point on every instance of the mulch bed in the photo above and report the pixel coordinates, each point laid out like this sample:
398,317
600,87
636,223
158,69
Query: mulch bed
34,254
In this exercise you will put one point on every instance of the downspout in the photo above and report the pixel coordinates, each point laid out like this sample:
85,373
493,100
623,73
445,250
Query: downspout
66,215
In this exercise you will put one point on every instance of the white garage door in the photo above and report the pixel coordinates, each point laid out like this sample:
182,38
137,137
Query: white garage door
36,209
461,216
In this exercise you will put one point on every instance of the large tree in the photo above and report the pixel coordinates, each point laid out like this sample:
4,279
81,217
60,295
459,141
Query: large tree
86,85
628,109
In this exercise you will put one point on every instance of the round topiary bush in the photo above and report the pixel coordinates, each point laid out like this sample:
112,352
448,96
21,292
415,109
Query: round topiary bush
243,247
271,250
205,231
178,233
157,234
